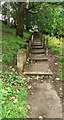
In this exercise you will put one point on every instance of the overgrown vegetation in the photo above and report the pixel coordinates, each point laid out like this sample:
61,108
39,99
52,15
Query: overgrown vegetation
14,93
14,90
55,44
11,42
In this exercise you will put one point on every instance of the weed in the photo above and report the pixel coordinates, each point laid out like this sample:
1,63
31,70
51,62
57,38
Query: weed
55,44
14,95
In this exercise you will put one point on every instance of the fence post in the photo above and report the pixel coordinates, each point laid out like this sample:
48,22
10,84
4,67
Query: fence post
46,44
43,41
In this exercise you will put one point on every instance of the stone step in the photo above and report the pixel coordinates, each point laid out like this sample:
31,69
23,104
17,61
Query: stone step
37,43
38,68
39,51
37,47
37,55
38,73
39,59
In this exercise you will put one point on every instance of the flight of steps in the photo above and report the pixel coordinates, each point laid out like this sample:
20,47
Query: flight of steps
39,65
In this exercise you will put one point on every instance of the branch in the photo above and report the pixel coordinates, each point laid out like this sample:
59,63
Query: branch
35,7
38,10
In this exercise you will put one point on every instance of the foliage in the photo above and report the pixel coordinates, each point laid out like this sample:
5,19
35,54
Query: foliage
55,44
4,10
49,20
12,43
14,93
48,16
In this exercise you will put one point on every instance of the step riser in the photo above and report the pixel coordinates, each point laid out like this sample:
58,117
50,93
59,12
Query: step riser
45,74
37,47
38,52
39,60
36,44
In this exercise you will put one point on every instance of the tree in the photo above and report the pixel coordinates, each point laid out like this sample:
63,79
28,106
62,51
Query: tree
19,18
48,16
8,13
18,9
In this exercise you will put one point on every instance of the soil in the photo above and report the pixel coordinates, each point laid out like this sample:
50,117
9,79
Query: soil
55,69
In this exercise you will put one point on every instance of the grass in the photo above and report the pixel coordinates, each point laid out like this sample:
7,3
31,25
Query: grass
7,29
14,93
11,43
55,44
13,86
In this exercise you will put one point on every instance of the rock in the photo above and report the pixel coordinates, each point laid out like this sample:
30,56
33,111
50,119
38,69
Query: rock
57,78
60,89
41,80
56,63
29,87
28,107
40,117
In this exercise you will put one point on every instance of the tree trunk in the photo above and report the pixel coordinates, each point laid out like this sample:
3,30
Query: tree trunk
8,13
0,8
19,31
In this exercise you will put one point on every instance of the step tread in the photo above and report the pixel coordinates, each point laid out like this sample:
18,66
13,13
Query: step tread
38,68
37,51
37,43
37,47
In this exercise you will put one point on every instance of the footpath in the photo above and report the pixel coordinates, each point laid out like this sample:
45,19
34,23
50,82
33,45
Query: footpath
44,101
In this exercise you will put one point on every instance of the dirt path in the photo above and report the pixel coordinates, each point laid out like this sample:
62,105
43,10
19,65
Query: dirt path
43,100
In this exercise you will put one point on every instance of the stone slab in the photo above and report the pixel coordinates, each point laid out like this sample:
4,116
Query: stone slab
38,68
37,51
37,47
37,44
38,57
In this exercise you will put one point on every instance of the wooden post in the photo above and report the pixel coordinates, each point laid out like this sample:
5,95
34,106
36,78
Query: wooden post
43,42
46,44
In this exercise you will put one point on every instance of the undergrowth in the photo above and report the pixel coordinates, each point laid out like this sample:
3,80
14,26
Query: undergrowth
55,44
14,93
13,86
11,43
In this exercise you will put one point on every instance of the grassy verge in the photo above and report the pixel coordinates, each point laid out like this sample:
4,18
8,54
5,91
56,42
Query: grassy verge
7,29
11,43
14,93
55,44
13,88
